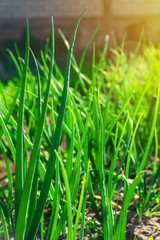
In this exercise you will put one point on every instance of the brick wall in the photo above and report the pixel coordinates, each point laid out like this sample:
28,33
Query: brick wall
135,7
72,8
118,16
46,8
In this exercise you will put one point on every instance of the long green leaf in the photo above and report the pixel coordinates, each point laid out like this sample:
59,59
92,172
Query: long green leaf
19,176
8,138
20,228
9,175
33,198
104,201
55,205
113,162
55,145
68,198
6,233
79,207
15,63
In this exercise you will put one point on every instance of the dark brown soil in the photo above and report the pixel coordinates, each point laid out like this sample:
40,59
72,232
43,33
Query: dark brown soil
145,229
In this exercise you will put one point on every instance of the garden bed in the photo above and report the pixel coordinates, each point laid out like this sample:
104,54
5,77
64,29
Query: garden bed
81,160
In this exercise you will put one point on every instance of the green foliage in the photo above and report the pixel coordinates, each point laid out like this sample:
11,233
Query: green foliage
79,148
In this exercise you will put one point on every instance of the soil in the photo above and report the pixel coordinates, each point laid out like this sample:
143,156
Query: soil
145,229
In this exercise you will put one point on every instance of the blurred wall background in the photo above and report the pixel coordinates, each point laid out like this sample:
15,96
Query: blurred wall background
110,16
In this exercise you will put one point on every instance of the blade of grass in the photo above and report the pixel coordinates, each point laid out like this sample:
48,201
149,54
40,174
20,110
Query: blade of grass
131,146
85,50
9,175
6,233
19,178
18,56
86,166
70,142
8,138
138,105
154,169
68,198
76,171
9,113
106,214
77,115
79,207
55,205
55,145
15,63
121,162
34,190
3,95
113,162
42,172
55,218
42,225
114,122
20,228
74,63
151,131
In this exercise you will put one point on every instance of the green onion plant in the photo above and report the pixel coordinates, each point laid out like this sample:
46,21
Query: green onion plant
90,147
